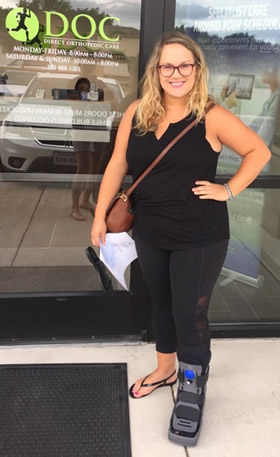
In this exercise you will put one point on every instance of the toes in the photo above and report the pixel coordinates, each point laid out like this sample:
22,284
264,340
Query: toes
137,386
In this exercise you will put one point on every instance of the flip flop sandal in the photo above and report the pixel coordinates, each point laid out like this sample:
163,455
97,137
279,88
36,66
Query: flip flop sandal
186,419
158,384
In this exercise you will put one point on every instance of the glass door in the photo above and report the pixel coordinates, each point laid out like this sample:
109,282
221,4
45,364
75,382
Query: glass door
67,73
242,51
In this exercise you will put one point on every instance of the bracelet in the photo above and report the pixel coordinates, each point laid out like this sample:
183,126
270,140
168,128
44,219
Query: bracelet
230,196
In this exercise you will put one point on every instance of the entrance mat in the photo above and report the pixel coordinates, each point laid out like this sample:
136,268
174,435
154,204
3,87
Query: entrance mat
64,410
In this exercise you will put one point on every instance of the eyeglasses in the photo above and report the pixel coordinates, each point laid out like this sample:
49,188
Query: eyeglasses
185,69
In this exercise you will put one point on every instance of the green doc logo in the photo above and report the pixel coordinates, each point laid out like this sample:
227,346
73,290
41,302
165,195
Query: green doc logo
74,26
22,24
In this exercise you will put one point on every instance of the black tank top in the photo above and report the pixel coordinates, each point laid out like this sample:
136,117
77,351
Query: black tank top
168,214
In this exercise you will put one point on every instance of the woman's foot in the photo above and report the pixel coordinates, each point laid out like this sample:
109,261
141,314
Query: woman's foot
162,378
186,419
77,215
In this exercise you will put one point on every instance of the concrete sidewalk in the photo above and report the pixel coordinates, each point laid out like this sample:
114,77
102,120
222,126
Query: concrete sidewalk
242,411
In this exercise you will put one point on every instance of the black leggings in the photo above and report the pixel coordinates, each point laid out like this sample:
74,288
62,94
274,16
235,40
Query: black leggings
180,283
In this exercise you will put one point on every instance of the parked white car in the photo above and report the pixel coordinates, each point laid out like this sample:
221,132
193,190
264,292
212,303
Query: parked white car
38,134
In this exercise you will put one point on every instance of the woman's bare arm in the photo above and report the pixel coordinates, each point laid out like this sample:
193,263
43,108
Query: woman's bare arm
224,128
233,133
113,176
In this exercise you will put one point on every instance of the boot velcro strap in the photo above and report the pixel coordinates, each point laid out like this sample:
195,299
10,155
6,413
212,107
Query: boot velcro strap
190,397
187,412
181,376
200,379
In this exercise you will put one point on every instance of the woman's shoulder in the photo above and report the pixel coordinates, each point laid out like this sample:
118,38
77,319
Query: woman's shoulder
223,124
131,109
219,117
217,111
127,118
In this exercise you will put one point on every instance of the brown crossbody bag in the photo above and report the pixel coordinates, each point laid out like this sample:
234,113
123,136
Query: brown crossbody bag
119,215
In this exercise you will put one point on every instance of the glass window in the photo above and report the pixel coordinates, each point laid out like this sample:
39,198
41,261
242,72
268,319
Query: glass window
241,44
248,289
67,73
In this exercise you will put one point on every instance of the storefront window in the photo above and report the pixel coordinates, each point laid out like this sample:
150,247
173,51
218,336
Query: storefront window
66,75
241,44
248,289
68,70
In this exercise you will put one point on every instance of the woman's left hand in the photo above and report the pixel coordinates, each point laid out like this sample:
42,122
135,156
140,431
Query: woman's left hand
209,190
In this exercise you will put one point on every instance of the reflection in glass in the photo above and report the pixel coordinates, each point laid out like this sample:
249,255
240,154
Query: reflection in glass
243,59
249,287
242,53
56,138
36,70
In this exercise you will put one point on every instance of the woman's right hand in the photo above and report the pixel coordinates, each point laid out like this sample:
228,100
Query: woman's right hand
98,232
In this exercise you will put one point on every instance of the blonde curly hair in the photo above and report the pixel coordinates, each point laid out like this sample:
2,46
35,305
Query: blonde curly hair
150,109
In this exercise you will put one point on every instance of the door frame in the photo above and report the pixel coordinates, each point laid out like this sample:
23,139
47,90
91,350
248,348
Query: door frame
92,316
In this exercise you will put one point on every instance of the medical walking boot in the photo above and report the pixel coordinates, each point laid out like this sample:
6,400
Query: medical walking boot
186,419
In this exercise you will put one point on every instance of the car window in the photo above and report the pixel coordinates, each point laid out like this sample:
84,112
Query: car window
46,85
33,88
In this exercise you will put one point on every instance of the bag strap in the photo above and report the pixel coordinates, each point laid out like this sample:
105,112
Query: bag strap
164,151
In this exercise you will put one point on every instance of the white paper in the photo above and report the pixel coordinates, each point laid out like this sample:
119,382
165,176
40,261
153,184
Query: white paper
118,252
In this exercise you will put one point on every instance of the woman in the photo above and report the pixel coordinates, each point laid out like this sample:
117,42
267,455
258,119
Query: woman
181,226
87,162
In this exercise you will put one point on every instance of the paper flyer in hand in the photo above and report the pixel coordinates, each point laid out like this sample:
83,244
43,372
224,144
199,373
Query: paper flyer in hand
118,252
